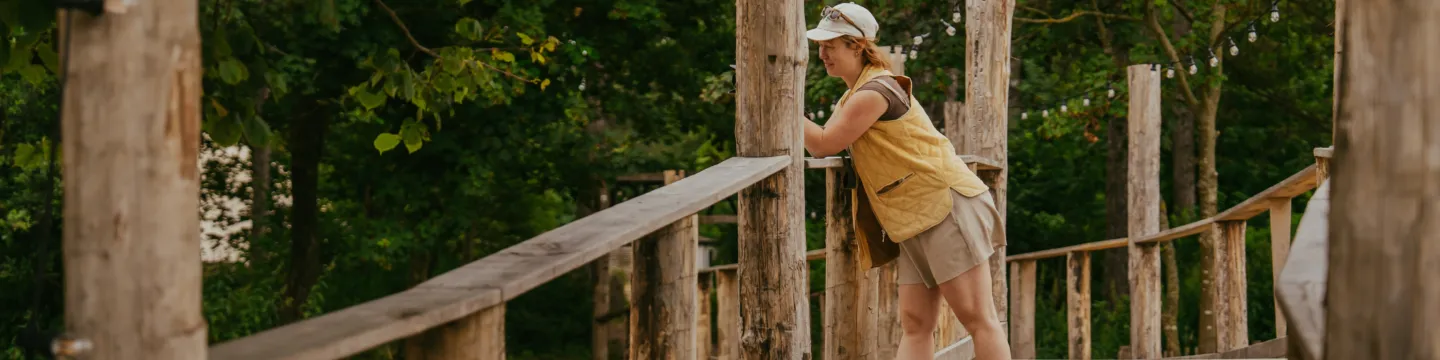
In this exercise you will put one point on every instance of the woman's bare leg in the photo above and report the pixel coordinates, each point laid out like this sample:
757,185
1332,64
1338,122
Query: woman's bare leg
919,307
969,296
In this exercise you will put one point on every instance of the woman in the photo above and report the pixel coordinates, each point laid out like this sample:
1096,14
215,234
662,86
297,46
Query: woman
913,190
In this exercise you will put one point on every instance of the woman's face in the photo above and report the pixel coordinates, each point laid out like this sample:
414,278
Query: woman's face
839,59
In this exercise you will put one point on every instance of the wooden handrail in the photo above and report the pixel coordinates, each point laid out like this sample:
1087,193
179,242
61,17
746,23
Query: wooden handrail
1296,184
497,278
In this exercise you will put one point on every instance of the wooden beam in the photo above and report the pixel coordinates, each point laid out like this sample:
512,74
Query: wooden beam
1383,301
1144,211
1301,288
986,121
719,219
1077,300
1022,309
850,296
1232,327
705,286
727,315
978,163
501,276
1058,252
771,55
662,316
825,163
131,124
1279,251
480,336
1299,183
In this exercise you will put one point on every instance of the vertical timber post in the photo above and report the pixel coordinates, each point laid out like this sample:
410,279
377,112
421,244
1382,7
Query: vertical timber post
849,290
1382,301
727,314
662,317
705,285
478,336
987,97
1144,211
887,323
1279,251
131,130
1232,328
1022,309
771,53
1077,299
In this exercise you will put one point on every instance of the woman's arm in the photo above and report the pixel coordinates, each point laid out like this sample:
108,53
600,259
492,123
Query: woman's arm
845,125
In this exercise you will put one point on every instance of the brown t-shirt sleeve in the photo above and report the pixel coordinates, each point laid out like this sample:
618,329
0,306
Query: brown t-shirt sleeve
896,106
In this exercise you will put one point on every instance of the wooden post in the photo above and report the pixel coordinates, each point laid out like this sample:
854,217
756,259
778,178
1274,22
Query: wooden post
131,125
1144,211
771,53
1232,330
850,297
704,287
1382,299
987,89
480,336
727,322
1077,300
954,124
1022,309
1279,251
662,317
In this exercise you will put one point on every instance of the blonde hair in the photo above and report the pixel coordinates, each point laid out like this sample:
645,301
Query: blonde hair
870,53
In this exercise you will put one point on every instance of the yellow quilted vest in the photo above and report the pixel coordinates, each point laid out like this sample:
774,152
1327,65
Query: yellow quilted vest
906,169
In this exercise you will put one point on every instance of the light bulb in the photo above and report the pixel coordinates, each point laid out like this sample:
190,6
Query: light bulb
1024,115
955,16
914,54
1253,36
1234,50
1193,68
582,85
820,113
1275,12
1110,93
1064,108
1169,72
1086,102
1045,113
584,52
919,40
1214,61
949,30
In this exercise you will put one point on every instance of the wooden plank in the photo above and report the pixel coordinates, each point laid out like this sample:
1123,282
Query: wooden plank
850,296
1383,301
501,276
477,336
960,350
719,219
1144,210
1270,349
1077,303
887,324
131,184
1194,228
813,255
982,163
1058,252
1022,310
1279,251
705,287
662,315
1325,152
1232,325
1301,288
986,123
727,312
1299,183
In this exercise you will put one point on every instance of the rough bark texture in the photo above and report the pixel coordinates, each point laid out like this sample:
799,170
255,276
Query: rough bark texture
306,145
727,313
1233,330
771,53
1208,188
1144,211
1182,160
1116,221
1279,251
850,293
131,125
1077,299
987,94
662,316
480,336
1383,302
1022,309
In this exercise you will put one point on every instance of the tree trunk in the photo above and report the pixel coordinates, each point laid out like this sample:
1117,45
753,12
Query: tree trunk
131,124
1170,304
1116,261
306,146
1182,156
259,177
1208,188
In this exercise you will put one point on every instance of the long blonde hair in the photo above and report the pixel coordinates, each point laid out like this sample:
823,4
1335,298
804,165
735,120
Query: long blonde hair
870,52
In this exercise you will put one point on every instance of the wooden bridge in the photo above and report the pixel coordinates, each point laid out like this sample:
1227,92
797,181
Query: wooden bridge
762,300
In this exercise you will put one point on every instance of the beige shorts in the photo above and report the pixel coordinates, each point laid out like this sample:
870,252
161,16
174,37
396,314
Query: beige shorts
965,239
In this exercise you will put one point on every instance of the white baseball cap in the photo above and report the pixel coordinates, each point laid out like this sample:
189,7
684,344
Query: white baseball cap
833,23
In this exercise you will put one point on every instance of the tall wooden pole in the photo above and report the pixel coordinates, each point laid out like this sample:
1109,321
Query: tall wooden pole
1382,300
131,129
1144,211
662,318
771,52
850,293
987,97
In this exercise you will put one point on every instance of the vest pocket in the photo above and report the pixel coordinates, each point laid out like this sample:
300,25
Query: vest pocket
894,184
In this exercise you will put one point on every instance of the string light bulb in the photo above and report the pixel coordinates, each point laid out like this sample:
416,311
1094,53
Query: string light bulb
1275,11
582,84
1110,91
1064,107
919,40
1045,113
1214,60
1169,72
1193,69
914,54
949,30
1086,102
1234,50
955,14
1253,35
820,113
1024,115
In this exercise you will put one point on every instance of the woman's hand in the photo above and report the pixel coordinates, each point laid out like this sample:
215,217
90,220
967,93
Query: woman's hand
845,125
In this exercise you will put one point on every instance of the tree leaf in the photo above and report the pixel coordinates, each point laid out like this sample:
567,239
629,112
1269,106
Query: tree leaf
225,131
257,132
525,39
413,133
49,58
544,84
232,71
537,57
386,141
468,28
370,100
220,110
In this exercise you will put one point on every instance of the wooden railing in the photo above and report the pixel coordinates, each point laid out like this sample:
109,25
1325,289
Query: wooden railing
1230,327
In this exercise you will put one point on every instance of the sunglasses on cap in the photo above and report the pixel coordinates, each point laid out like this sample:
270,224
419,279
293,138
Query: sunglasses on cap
833,14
